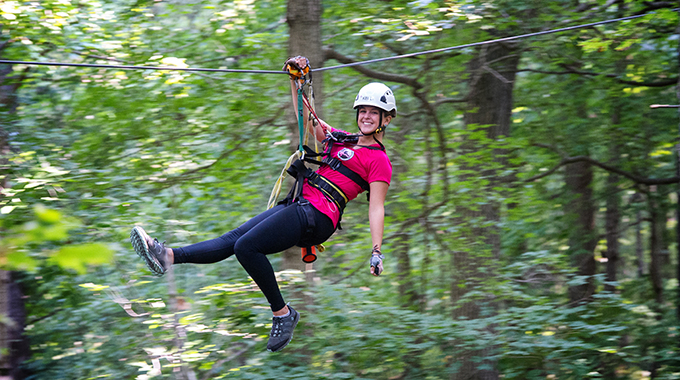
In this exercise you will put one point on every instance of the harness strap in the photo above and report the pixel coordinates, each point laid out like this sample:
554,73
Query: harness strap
308,211
328,188
301,125
338,166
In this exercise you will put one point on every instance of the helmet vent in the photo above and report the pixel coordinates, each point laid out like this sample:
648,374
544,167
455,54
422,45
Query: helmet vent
383,99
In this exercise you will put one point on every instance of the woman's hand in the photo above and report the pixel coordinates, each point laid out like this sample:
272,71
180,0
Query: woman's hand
377,263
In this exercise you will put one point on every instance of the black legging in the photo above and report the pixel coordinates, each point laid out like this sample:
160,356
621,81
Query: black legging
274,230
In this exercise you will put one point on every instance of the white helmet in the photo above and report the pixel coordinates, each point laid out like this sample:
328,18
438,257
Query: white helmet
377,95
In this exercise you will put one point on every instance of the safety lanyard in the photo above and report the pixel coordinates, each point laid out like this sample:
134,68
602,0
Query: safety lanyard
301,125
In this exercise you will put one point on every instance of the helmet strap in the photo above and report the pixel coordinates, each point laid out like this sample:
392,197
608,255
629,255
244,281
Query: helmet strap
378,141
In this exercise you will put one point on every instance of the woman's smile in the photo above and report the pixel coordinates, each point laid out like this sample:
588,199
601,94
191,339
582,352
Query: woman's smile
369,118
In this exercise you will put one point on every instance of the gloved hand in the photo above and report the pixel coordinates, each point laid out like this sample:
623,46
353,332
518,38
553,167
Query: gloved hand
377,263
296,67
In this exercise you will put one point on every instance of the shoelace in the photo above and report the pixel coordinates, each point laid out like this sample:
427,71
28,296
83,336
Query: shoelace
276,326
158,244
158,251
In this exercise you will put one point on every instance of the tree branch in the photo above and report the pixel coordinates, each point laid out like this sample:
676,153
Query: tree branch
218,363
332,54
439,102
654,5
228,153
663,83
570,160
88,55
199,40
350,274
50,314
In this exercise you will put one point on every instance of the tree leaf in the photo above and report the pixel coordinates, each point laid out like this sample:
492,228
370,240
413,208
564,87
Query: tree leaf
77,256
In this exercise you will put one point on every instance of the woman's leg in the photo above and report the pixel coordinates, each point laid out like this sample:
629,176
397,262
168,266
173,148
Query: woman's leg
276,233
272,231
218,249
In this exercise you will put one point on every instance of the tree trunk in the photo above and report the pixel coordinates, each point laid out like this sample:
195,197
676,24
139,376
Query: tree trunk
677,210
492,74
612,217
408,293
582,239
304,23
658,221
14,347
636,201
639,251
11,330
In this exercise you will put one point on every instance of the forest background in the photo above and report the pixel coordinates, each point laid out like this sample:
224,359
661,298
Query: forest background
531,226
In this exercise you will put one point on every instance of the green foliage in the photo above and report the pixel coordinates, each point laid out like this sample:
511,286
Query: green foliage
192,155
36,239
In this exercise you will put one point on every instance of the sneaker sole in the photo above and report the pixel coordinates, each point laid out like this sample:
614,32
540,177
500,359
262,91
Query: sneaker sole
138,240
297,319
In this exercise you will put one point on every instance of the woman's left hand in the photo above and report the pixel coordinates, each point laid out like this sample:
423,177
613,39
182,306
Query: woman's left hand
377,264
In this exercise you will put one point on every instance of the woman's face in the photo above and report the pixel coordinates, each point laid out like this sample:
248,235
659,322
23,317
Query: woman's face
369,119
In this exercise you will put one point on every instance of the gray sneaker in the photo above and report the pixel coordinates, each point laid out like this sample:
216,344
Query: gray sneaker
282,330
153,252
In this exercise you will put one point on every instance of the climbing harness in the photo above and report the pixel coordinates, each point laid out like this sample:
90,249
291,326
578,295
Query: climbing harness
327,187
300,172
332,192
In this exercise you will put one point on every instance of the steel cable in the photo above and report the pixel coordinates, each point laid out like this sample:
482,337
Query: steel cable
409,55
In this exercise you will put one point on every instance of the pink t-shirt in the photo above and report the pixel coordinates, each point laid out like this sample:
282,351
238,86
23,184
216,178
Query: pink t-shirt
371,164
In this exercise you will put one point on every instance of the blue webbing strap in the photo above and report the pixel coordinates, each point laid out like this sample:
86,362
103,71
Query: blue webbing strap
301,124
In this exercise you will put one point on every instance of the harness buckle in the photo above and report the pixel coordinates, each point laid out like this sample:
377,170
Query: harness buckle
334,163
312,177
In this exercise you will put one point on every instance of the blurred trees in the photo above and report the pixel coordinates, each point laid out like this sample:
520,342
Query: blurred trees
528,177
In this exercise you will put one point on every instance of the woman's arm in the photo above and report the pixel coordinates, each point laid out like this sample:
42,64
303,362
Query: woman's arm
318,130
293,90
376,213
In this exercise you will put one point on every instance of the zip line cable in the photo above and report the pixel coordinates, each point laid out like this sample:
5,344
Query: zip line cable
128,67
409,55
504,39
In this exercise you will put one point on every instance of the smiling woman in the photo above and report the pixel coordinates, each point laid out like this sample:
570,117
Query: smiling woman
311,212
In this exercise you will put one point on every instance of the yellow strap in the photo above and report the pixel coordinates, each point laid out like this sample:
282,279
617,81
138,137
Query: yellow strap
276,191
334,187
279,182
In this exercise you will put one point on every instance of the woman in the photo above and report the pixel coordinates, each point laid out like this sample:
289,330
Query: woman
289,223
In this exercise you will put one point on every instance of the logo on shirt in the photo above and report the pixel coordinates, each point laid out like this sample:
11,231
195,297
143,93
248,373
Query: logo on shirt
345,154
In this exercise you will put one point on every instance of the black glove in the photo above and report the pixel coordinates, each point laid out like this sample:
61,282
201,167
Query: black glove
377,263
